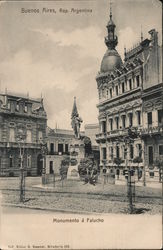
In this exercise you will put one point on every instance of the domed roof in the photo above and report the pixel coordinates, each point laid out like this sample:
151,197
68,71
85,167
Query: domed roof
110,61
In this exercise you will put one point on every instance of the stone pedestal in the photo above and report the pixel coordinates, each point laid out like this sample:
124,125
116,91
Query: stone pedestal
77,152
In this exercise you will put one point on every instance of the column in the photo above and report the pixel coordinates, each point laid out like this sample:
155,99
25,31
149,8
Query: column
155,118
135,118
145,120
127,119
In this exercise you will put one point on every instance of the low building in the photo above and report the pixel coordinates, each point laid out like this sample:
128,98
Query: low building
23,123
58,143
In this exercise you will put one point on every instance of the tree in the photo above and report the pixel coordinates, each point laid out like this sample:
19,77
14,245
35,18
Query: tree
88,170
159,164
64,168
118,162
138,160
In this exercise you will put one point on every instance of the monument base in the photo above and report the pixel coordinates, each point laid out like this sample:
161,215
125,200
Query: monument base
73,173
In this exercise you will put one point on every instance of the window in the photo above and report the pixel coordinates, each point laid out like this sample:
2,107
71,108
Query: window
123,87
66,148
116,89
130,84
1,165
150,154
51,167
130,119
104,153
149,116
9,105
110,93
40,137
0,134
160,149
11,135
103,126
138,80
111,152
28,161
11,161
107,93
123,121
160,115
25,108
51,147
111,124
151,174
131,152
117,151
29,136
17,107
125,152
60,147
117,122
139,146
139,117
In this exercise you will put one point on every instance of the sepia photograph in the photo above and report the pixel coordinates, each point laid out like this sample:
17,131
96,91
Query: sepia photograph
81,124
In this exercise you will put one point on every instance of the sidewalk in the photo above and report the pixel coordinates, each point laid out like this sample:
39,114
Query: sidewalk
151,184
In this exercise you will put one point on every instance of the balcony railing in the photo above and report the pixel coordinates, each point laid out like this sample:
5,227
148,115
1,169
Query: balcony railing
101,137
58,153
152,130
16,145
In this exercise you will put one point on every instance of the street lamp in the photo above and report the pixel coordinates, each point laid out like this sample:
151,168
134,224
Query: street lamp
21,138
44,151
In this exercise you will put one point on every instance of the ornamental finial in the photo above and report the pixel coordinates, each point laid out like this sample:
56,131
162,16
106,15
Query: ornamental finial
110,9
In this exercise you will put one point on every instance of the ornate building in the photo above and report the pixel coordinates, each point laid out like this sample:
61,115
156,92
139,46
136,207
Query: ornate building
120,87
23,124
152,131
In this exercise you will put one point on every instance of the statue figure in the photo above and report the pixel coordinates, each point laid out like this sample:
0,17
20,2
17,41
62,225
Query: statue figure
76,120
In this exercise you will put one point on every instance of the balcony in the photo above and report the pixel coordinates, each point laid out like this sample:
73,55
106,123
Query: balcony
116,133
101,137
150,131
17,145
58,153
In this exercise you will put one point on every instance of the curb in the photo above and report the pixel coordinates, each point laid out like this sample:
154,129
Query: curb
49,209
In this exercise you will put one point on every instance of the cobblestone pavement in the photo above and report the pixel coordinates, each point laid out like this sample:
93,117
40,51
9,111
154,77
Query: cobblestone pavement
76,197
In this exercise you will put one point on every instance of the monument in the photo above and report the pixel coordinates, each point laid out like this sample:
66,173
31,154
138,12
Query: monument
77,147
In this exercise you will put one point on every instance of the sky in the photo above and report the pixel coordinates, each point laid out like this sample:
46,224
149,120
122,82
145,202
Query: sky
58,54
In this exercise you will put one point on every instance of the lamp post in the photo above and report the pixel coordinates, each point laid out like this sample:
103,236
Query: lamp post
44,151
21,138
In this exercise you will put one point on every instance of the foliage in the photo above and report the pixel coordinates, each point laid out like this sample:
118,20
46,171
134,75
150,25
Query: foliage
88,170
87,145
64,167
159,164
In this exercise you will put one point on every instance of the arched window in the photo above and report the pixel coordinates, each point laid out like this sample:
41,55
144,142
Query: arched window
28,161
11,161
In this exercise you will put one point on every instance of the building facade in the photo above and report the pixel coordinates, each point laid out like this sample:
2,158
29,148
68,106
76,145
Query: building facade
23,124
121,88
152,132
58,144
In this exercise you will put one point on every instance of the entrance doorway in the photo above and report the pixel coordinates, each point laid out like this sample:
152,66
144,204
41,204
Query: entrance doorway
39,164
